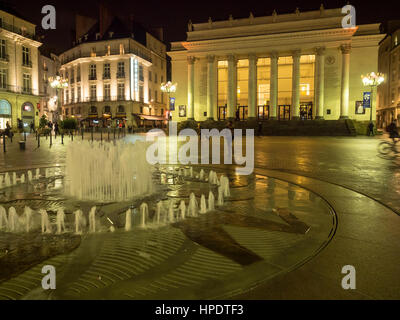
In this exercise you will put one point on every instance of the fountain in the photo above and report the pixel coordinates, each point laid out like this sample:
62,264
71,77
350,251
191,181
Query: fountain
7,180
182,209
28,218
125,172
203,205
213,178
211,201
220,196
128,220
14,178
193,206
171,215
92,220
201,176
12,220
78,221
3,218
37,174
30,177
22,179
224,182
191,172
45,221
144,214
60,220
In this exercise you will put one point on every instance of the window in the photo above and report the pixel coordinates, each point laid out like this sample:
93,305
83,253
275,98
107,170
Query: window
121,91
25,57
162,97
66,111
79,94
72,75
93,110
3,78
107,92
121,70
162,111
141,92
156,95
150,76
107,72
67,96
3,53
93,93
141,110
72,95
72,110
149,94
92,72
121,109
27,83
162,79
141,73
78,74
107,109
155,77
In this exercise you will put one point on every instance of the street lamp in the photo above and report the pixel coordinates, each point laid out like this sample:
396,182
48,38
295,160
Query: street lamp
372,80
168,88
58,83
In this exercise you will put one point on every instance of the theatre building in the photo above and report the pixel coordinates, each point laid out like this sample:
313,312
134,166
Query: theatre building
303,65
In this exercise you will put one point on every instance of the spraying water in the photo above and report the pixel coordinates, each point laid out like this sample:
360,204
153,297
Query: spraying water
12,219
28,218
22,179
182,209
220,196
37,174
211,201
224,182
158,211
60,220
14,178
30,177
128,220
78,221
193,206
110,172
7,180
201,176
45,221
144,213
92,220
171,215
203,205
3,218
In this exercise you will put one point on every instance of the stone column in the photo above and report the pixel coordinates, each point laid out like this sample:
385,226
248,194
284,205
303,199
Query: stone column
190,107
273,105
296,85
319,82
232,87
252,94
210,86
344,100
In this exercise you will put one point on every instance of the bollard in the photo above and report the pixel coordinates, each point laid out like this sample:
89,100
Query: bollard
62,138
4,142
119,131
114,133
72,135
108,134
91,132
51,140
101,135
82,133
38,140
24,135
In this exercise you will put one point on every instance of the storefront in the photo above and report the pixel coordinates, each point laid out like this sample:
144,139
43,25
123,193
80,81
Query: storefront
27,114
5,113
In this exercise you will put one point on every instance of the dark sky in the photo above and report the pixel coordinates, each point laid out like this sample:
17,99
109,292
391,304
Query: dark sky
174,15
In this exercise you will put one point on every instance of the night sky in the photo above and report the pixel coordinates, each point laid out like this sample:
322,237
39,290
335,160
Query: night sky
174,15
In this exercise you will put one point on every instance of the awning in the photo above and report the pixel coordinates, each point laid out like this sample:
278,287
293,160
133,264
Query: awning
154,118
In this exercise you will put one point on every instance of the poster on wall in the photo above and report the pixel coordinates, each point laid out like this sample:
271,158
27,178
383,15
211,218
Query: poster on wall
182,111
172,104
367,100
359,107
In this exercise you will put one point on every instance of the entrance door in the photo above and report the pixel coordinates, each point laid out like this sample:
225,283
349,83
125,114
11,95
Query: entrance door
284,112
221,113
263,112
306,111
243,113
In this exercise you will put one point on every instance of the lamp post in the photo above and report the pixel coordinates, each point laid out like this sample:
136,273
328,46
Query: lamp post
169,88
372,80
58,83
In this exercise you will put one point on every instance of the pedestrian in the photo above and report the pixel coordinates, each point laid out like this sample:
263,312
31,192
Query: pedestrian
371,129
32,127
237,115
260,128
56,132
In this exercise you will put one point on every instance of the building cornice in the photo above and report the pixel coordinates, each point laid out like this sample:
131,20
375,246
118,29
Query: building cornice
19,38
105,58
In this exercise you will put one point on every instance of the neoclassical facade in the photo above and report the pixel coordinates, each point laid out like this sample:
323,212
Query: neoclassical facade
303,65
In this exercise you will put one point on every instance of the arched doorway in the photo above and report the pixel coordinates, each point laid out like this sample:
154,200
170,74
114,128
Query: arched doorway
5,113
27,114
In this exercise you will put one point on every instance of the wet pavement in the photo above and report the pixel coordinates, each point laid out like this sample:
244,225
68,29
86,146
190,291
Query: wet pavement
346,173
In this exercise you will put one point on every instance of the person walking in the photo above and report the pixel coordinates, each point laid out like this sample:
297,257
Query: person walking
56,131
393,131
371,129
32,127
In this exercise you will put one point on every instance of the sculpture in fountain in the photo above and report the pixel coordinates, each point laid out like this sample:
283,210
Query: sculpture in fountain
203,205
193,206
60,220
144,214
128,220
45,221
211,201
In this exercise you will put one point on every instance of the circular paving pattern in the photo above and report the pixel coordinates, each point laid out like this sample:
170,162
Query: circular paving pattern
267,227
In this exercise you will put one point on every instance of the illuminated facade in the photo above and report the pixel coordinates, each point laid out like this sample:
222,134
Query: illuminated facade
292,66
388,104
114,78
19,87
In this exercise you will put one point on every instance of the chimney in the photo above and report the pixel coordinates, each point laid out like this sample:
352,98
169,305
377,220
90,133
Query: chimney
105,18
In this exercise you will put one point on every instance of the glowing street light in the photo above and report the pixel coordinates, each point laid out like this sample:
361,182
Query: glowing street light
372,80
58,83
169,88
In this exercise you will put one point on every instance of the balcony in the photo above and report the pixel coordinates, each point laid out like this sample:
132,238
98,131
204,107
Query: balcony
15,89
120,75
104,99
106,76
17,30
78,79
72,80
4,57
92,77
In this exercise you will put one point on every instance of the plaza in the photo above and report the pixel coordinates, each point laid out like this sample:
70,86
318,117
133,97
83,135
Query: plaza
316,210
